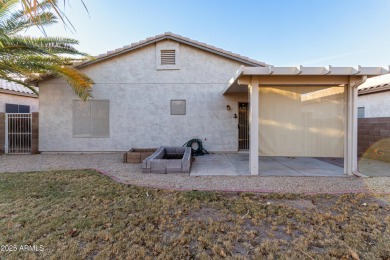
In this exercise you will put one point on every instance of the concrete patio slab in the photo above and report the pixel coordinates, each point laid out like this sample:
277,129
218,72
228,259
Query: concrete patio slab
238,164
310,166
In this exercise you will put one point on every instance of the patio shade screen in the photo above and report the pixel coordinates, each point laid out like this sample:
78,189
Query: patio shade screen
301,121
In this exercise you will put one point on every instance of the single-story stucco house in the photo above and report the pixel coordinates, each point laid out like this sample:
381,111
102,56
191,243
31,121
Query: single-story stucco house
15,98
168,89
15,101
374,97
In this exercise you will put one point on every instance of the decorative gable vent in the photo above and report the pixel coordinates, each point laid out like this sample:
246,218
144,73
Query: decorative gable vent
168,57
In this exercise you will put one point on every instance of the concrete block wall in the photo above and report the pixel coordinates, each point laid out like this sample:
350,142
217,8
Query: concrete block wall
374,138
35,133
2,132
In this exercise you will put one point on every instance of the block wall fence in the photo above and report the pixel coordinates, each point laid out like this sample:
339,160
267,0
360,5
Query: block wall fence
374,138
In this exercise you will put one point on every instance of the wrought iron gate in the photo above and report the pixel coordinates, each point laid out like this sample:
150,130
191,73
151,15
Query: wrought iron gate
243,126
18,133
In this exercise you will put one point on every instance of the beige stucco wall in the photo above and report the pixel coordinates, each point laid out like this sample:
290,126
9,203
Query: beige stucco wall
140,97
19,100
375,104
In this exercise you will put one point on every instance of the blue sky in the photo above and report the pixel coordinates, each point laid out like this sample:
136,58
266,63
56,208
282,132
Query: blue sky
278,32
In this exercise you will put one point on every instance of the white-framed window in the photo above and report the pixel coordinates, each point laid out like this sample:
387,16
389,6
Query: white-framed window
361,112
178,107
91,118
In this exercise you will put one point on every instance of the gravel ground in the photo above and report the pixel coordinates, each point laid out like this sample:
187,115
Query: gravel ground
111,165
374,168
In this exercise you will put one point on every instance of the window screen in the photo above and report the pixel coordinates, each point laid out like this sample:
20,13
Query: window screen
14,108
178,107
361,112
91,118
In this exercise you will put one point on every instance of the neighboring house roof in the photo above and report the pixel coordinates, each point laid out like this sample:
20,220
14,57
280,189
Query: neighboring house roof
375,85
15,89
178,38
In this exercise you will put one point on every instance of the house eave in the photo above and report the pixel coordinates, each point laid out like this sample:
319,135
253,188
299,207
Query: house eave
10,92
374,90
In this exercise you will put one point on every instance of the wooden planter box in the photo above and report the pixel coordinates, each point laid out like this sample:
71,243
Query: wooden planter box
137,155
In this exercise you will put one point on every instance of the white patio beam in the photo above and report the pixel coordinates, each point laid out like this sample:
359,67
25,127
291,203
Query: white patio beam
290,80
301,75
301,70
351,126
253,89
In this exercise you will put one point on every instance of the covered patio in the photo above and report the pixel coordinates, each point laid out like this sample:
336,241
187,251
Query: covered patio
237,164
302,113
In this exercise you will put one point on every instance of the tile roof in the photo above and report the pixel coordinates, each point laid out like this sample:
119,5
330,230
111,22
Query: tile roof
14,87
179,38
375,84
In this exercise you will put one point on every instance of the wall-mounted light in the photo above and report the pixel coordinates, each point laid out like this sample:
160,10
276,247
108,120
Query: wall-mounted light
227,107
235,116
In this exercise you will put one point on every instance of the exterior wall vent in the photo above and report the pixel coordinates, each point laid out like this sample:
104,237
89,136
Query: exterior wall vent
168,57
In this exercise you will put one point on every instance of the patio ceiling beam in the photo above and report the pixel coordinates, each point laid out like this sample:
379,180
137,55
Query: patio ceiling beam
301,80
300,75
301,70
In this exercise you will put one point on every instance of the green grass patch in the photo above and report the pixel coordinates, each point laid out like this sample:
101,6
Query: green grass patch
83,214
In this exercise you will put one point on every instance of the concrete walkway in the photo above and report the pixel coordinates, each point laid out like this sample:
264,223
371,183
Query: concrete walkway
236,164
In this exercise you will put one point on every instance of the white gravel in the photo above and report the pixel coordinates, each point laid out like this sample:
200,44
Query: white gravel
111,164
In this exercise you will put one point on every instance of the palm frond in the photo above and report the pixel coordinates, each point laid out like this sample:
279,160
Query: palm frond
18,21
42,45
31,7
33,57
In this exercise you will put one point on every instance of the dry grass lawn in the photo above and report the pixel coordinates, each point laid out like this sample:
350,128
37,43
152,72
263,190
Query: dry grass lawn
82,214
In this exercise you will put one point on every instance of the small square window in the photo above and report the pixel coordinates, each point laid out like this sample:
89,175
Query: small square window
178,107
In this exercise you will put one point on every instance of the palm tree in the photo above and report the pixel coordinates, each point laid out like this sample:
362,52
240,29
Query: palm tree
25,57
30,7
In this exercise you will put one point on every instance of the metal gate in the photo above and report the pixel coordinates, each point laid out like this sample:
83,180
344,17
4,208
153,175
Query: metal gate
18,133
243,126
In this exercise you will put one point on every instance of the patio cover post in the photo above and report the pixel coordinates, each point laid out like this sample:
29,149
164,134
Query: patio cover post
350,154
253,88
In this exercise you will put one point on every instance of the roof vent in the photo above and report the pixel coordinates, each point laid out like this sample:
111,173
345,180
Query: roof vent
168,57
